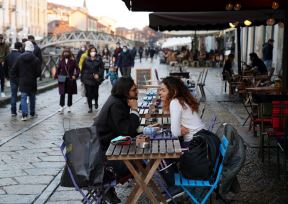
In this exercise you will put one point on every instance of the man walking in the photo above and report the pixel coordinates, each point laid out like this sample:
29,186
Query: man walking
125,62
116,55
37,51
4,51
27,69
268,53
14,83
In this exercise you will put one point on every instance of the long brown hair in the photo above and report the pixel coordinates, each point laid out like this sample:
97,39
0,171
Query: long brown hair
178,90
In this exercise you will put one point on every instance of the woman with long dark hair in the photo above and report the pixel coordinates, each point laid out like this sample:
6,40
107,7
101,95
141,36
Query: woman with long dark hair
92,74
183,108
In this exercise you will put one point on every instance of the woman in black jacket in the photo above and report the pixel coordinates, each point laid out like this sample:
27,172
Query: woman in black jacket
92,75
118,116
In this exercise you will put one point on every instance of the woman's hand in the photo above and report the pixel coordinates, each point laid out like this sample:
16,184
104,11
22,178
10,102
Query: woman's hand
184,130
133,104
73,77
96,76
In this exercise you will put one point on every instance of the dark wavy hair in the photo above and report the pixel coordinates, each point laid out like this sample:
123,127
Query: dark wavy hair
178,90
91,48
122,87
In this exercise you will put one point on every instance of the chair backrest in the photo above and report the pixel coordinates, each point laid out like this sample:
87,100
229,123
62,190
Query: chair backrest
219,162
279,115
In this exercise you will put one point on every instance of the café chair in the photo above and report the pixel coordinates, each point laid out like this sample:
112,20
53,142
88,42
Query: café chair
212,184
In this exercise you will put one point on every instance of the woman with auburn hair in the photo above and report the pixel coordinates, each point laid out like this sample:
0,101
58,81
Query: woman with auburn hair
183,108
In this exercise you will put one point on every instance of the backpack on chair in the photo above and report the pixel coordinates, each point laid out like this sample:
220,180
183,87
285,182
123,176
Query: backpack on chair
198,162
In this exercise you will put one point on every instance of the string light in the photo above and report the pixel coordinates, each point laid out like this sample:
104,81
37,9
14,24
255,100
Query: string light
275,5
247,23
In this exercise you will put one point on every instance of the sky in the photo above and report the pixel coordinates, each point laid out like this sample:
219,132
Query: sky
115,9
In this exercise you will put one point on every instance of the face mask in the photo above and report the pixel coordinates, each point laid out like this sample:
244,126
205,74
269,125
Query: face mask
83,48
92,54
124,50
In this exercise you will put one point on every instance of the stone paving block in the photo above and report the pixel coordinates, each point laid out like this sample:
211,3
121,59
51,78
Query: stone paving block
34,179
24,189
12,148
63,195
64,202
7,182
49,171
13,199
52,158
49,164
16,165
2,192
12,173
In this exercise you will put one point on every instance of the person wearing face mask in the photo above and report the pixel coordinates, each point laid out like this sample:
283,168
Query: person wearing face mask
79,54
106,56
4,51
125,62
68,67
92,75
116,54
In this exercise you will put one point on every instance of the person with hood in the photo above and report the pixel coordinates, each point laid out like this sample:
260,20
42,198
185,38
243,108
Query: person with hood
92,75
10,62
125,62
27,69
67,67
4,51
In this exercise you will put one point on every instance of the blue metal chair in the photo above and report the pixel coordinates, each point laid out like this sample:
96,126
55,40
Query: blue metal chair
210,184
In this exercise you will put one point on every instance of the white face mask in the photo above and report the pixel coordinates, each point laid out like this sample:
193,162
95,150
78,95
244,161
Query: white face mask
124,50
93,54
83,48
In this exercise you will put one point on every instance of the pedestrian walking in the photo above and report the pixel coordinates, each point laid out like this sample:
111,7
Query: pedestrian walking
92,75
125,62
116,55
10,62
67,73
133,54
106,57
113,75
268,54
79,54
4,51
37,51
140,51
27,69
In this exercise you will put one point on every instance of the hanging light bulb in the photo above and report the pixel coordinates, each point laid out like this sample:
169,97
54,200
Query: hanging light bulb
237,7
229,7
275,5
270,21
233,25
247,23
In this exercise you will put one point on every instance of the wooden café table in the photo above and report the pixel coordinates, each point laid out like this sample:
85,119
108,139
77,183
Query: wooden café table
265,89
133,158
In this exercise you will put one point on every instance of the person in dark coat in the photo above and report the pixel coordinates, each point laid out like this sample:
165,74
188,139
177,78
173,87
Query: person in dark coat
140,51
257,64
68,67
37,50
227,69
92,75
14,83
118,116
133,54
116,54
125,62
268,53
27,69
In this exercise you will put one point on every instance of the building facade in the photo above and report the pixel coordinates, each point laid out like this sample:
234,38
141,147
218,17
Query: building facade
20,18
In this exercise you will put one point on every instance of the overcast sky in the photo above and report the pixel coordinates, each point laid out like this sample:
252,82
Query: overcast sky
115,9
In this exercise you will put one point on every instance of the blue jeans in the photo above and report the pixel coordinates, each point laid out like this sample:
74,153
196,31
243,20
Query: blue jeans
268,64
14,84
32,99
113,81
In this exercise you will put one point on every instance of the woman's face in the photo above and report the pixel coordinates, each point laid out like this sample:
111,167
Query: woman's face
163,92
133,92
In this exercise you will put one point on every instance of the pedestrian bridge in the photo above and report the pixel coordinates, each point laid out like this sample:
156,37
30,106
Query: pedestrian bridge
83,36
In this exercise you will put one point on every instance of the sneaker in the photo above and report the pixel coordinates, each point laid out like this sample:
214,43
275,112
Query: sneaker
111,196
24,118
90,110
13,115
69,109
3,94
33,116
61,110
96,106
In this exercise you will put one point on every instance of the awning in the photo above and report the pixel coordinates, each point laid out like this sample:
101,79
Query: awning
190,5
217,20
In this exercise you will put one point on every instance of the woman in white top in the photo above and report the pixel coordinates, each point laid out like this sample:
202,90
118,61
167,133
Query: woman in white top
183,108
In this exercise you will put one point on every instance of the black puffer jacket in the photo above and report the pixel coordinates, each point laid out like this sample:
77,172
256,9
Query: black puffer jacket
27,69
114,120
90,68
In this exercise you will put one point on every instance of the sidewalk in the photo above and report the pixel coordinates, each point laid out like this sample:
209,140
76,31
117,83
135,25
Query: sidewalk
44,85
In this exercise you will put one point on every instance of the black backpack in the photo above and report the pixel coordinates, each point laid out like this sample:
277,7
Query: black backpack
198,162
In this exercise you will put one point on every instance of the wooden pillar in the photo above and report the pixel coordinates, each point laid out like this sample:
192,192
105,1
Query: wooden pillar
285,54
239,50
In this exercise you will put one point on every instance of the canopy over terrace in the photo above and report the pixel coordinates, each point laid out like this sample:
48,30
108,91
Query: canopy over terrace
192,6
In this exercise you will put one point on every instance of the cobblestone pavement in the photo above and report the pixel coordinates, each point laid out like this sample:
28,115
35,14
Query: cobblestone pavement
31,162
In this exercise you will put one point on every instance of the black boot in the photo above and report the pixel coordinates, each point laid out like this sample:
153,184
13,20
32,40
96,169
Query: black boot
111,196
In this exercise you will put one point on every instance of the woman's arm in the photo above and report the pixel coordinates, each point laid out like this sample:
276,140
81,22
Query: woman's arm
175,113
